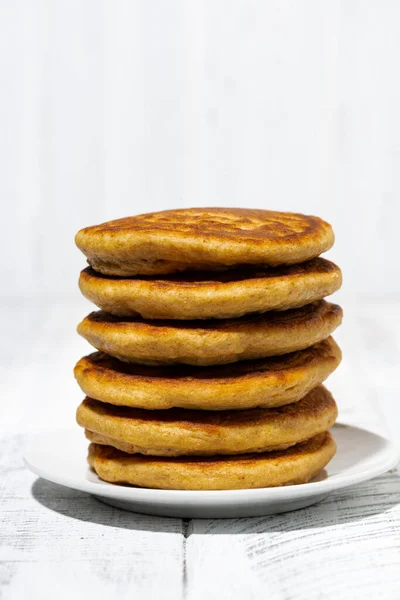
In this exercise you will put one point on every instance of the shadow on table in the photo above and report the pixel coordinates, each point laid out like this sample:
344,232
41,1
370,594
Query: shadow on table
83,507
340,508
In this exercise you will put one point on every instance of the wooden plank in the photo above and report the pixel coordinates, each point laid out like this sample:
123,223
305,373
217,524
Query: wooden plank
345,547
55,542
60,543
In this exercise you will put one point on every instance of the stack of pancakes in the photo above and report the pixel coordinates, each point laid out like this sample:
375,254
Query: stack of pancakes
213,341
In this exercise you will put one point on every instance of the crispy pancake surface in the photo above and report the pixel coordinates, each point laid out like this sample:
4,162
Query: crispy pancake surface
177,432
202,239
295,465
222,295
211,342
266,383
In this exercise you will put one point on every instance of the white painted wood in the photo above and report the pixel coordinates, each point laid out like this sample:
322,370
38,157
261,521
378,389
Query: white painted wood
55,542
346,547
111,109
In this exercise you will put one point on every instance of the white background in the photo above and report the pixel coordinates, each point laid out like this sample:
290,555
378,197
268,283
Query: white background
111,108
114,108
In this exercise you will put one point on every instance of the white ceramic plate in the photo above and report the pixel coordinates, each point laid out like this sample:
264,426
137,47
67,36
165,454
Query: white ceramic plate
60,457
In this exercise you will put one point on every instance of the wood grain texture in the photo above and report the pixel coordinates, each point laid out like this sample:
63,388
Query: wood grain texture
98,123
60,543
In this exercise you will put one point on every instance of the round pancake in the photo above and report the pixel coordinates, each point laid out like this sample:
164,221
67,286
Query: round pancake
266,383
202,239
221,295
296,465
211,342
176,432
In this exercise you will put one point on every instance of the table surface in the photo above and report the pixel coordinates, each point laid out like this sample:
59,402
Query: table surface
59,543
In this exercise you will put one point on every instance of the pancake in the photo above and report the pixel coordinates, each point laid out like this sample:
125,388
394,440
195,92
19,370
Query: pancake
266,383
176,432
296,465
202,239
221,295
211,342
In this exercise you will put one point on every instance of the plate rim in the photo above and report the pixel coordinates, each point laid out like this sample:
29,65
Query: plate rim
390,458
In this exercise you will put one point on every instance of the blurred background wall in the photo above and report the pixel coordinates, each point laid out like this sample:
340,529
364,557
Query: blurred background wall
110,108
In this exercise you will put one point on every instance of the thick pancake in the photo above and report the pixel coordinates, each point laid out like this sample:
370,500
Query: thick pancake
221,295
178,432
211,342
296,465
202,239
266,383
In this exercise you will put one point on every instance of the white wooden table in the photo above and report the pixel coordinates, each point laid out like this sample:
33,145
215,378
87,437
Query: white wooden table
58,543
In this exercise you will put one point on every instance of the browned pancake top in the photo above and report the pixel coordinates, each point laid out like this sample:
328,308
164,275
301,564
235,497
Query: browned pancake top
202,239
252,225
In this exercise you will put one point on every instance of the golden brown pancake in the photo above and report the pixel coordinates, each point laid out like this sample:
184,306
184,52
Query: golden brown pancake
222,295
266,383
176,431
202,239
211,342
296,465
